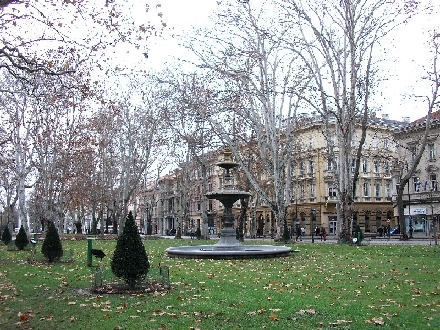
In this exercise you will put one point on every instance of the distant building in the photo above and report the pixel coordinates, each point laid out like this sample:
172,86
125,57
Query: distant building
177,199
422,195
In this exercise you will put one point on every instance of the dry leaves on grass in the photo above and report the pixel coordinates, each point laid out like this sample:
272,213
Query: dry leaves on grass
339,323
24,317
376,321
307,312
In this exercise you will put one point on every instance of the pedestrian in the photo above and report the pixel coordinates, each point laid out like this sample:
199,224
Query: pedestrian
192,233
298,233
323,234
303,231
317,232
380,231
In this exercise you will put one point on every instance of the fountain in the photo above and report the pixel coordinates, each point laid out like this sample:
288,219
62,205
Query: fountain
228,247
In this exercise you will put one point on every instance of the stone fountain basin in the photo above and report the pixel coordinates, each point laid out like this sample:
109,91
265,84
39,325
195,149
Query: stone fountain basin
228,252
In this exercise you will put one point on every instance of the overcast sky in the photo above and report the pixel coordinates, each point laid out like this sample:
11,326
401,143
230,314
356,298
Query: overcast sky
405,66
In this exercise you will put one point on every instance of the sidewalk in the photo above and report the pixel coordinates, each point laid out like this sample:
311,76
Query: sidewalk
393,240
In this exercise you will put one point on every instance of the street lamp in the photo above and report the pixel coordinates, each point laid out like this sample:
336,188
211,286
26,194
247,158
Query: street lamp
313,220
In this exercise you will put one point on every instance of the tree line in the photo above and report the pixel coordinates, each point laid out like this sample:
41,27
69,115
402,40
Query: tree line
83,133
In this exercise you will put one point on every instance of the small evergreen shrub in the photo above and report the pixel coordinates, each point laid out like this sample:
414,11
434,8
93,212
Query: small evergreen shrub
286,233
52,248
130,261
6,236
21,241
198,233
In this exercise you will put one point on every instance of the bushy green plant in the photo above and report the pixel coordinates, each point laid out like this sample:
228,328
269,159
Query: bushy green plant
130,261
52,248
21,241
6,236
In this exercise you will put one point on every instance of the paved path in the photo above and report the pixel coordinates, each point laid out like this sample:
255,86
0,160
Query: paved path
333,240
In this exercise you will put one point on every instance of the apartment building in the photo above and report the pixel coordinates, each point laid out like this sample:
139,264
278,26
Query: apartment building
179,199
422,193
315,194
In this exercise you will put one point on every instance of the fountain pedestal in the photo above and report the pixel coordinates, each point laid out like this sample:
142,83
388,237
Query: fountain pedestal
228,246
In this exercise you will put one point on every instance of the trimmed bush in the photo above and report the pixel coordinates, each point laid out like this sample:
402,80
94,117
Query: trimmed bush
52,248
6,236
130,261
21,241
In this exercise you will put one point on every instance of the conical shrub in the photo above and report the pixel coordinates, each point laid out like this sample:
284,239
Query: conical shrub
52,248
21,241
6,236
130,261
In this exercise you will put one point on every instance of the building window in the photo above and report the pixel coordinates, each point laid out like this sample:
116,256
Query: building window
376,166
329,164
374,143
378,221
292,170
433,178
387,167
331,190
388,190
302,168
367,223
302,191
377,190
312,190
416,182
364,166
431,151
386,144
312,166
366,189
353,165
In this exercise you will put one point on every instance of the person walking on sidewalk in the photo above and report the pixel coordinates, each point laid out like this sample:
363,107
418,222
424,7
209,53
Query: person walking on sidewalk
323,234
298,233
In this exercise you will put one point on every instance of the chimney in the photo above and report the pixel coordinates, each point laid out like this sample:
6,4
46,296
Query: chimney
385,116
406,120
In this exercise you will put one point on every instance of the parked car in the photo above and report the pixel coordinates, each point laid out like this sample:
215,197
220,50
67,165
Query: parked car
394,231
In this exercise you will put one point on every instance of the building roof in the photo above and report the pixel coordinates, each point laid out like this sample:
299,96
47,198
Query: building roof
434,116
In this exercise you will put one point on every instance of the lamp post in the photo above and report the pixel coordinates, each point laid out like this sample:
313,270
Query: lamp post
409,213
313,220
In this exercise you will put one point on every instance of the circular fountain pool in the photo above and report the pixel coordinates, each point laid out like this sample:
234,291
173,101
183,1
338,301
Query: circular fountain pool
238,251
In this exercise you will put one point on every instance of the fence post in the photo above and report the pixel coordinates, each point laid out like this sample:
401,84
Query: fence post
89,251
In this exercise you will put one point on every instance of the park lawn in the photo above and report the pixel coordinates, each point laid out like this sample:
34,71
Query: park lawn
322,286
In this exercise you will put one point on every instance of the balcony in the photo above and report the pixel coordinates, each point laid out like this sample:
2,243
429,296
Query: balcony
329,175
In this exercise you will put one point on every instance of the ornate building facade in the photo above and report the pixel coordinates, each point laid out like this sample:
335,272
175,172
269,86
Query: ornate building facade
177,200
422,195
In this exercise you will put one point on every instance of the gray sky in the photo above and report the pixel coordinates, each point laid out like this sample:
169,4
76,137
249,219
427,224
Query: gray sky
406,61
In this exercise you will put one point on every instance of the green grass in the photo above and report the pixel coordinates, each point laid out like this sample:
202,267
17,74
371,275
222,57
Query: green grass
323,286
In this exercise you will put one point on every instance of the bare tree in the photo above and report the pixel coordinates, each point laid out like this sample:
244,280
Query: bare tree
194,138
138,137
57,37
257,83
407,170
339,40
